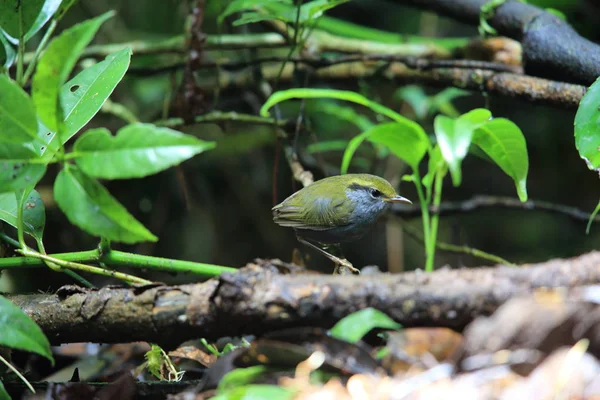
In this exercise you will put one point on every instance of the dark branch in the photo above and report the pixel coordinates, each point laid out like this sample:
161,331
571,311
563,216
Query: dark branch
551,47
260,299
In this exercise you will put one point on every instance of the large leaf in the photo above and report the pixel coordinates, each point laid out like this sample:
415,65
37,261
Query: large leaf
83,96
20,332
244,5
504,143
91,207
355,326
587,127
18,16
17,115
405,141
137,150
19,167
454,138
34,213
56,64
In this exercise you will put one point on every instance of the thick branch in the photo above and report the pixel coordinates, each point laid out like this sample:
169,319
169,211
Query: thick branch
527,88
551,47
260,299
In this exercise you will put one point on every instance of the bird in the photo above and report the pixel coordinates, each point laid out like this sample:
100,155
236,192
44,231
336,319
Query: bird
335,210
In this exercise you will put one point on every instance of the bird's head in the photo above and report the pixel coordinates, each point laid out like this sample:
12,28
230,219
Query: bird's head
371,194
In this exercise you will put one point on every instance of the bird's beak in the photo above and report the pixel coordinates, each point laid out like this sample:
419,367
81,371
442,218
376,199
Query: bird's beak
397,199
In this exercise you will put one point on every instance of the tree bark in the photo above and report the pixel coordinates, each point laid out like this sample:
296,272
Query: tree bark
259,298
551,47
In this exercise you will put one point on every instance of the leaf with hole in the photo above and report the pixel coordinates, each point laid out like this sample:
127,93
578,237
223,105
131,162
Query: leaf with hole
88,204
55,66
504,143
408,142
137,150
587,127
34,212
18,122
20,332
19,167
355,326
83,96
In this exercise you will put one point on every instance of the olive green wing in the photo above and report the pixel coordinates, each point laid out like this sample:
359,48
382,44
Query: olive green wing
320,214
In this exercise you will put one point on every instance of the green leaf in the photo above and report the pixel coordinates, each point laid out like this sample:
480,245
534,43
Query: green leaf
18,16
87,204
137,150
454,138
252,17
83,96
587,127
405,141
56,64
355,326
18,122
241,377
435,163
3,393
415,96
20,332
443,101
19,167
504,143
34,213
342,112
316,8
7,53
243,5
47,11
256,392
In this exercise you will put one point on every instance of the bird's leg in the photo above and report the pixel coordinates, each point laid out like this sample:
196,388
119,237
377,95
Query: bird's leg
339,261
344,263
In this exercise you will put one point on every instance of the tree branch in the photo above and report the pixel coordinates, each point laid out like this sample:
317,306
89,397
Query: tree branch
551,47
259,299
527,88
482,202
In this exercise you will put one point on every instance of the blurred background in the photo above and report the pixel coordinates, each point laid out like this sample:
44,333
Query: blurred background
215,208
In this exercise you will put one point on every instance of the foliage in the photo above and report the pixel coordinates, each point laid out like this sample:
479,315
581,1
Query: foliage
355,326
498,138
36,130
20,332
160,365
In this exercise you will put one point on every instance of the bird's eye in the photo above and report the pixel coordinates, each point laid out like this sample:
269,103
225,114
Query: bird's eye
375,193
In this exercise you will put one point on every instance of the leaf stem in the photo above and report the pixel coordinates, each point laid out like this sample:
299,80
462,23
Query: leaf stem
119,258
87,268
13,369
425,218
38,51
437,198
20,51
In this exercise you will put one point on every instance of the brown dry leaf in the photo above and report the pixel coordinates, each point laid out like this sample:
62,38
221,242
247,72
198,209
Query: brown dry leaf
195,354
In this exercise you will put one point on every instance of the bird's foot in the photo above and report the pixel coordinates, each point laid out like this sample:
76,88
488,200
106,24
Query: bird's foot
344,266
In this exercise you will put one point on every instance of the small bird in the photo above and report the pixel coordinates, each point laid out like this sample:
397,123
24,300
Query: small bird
334,210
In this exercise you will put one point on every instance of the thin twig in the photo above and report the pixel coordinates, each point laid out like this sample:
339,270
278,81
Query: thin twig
483,202
410,231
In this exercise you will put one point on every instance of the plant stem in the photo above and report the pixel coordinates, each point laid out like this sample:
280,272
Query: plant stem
425,218
68,272
437,198
87,268
20,52
38,51
13,369
120,258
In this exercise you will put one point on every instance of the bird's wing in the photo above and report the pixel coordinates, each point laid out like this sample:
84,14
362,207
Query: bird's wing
324,213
